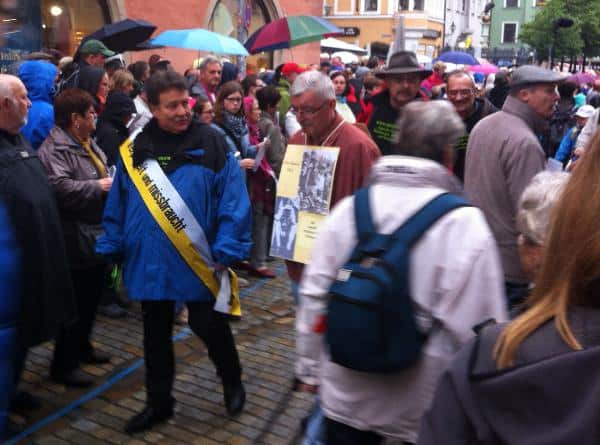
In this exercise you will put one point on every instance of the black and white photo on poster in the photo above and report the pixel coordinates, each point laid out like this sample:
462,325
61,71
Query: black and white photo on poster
285,223
316,176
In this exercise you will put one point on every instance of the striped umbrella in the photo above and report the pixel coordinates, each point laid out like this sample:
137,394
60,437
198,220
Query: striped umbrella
290,31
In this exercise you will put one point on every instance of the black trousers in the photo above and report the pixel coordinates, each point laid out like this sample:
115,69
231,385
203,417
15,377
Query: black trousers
338,433
211,326
73,341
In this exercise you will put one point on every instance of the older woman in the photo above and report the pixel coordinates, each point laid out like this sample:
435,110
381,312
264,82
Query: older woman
454,282
533,218
78,174
534,380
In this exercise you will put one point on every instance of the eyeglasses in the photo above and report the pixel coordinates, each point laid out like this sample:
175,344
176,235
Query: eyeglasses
455,93
233,99
307,111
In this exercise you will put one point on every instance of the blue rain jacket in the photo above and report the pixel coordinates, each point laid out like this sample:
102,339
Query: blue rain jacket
38,77
209,180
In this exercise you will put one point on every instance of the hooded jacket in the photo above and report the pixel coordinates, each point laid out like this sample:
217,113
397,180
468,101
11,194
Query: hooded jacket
111,131
209,180
550,396
38,77
455,283
89,80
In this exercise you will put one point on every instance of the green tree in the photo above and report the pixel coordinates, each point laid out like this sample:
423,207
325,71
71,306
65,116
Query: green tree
581,38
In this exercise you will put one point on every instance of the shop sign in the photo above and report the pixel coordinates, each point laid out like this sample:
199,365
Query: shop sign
351,31
431,34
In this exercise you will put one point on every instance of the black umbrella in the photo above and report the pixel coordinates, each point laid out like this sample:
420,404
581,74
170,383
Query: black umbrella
123,36
144,46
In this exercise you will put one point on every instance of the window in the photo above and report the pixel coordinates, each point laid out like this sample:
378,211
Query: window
370,5
403,5
511,3
509,33
419,5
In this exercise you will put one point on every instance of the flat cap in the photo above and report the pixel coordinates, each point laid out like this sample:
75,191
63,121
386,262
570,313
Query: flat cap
531,74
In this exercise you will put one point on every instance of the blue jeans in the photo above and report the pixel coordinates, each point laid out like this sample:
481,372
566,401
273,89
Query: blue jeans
315,427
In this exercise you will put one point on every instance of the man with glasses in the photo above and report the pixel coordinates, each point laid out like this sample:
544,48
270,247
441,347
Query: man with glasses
403,78
313,102
210,77
462,93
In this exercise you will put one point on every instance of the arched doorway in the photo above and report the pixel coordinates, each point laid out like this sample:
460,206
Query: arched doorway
226,17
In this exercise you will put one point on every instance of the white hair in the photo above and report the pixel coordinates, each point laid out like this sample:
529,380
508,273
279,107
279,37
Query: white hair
313,81
7,83
536,204
208,60
425,129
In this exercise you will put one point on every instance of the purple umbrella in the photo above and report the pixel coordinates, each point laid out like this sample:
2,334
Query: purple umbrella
580,78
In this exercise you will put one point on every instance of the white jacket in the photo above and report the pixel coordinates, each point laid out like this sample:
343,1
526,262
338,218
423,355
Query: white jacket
456,280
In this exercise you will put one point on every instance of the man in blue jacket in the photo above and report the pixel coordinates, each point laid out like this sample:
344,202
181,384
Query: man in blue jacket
196,162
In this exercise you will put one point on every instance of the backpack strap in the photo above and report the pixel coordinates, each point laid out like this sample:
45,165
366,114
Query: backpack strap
362,215
410,232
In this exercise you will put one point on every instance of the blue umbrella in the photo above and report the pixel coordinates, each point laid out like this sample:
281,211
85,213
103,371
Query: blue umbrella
200,40
458,58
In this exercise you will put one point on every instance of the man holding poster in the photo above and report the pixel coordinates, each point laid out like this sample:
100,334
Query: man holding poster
313,103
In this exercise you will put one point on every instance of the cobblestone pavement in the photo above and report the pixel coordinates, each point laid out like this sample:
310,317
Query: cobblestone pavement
265,339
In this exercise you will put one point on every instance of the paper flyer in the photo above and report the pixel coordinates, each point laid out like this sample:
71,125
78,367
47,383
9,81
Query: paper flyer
303,200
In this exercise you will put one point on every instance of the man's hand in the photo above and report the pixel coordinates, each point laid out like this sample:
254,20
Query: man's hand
105,184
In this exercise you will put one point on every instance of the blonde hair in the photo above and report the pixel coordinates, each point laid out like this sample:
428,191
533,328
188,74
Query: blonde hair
570,271
120,80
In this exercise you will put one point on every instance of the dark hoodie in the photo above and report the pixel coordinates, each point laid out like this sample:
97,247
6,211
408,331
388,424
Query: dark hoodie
89,80
550,396
38,77
111,131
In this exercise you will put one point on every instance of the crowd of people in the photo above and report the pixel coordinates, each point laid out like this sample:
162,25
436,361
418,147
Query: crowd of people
169,179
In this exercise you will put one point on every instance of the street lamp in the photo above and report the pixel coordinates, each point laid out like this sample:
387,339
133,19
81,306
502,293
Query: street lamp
562,22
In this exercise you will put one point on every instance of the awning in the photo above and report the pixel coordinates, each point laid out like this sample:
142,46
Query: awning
340,45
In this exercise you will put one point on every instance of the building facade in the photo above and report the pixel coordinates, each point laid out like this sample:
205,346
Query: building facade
29,25
507,19
373,22
465,26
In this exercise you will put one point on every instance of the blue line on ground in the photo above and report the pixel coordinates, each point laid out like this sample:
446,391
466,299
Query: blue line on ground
181,335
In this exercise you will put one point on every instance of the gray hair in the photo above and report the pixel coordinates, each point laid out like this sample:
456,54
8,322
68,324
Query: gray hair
208,60
536,204
460,73
425,129
313,81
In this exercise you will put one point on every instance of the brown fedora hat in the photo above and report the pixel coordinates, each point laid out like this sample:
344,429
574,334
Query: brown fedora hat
402,62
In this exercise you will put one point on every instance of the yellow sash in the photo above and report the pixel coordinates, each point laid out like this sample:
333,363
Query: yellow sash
180,238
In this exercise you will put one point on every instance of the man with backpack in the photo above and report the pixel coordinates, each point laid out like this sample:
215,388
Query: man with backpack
380,317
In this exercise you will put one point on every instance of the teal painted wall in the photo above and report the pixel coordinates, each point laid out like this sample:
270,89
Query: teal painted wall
523,14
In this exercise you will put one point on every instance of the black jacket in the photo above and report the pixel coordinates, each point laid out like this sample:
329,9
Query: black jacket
47,300
111,131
